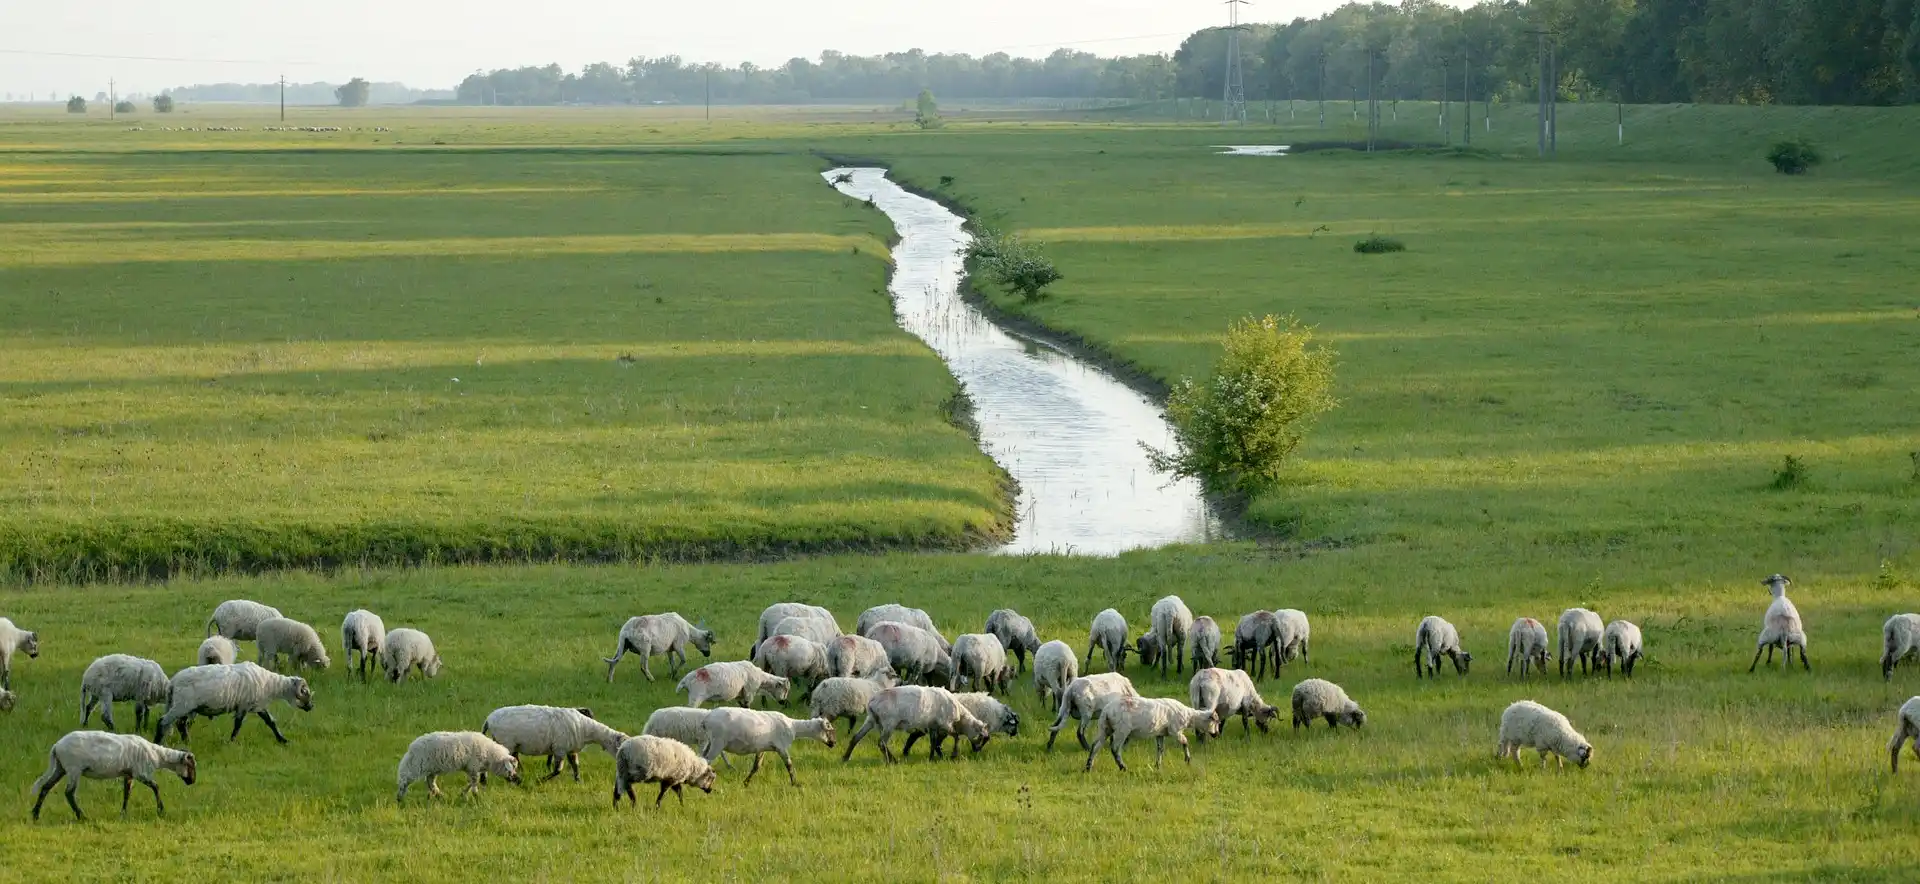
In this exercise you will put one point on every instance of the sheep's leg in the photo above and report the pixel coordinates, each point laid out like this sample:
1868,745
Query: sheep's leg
914,737
1770,655
646,662
1080,733
853,741
1160,751
1419,664
239,718
87,702
1756,660
680,794
751,771
73,791
573,763
139,717
673,664
272,725
788,758
433,786
1094,751
1893,751
1088,666
1186,748
555,766
55,773
1803,659
886,751
126,792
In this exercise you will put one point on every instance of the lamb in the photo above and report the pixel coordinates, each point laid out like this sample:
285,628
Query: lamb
813,629
1083,698
1123,718
1908,728
793,657
12,640
842,697
777,612
1580,634
444,752
1230,692
1527,643
741,731
1621,642
1109,634
935,712
997,716
1016,634
1902,635
362,633
649,759
736,681
122,677
1054,667
1254,636
238,618
406,650
97,755
1434,639
239,688
557,732
1782,627
899,614
1172,622
913,652
1319,698
216,649
667,634
1530,725
1205,641
1294,635
979,658
856,656
301,645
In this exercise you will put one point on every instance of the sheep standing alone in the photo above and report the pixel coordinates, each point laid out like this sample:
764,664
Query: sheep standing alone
407,650
277,636
122,677
1172,622
1781,628
1294,636
842,697
981,660
1434,639
1230,692
1016,634
935,712
1082,700
668,634
1901,638
1621,642
1580,634
557,732
1109,635
1527,724
1319,698
1254,637
1054,667
1206,643
740,731
793,658
1908,728
97,755
1527,643
1123,718
13,639
771,617
238,618
856,656
239,688
445,752
733,681
914,653
362,632
216,649
649,759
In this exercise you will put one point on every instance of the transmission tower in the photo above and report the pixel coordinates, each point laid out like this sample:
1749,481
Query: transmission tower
1235,104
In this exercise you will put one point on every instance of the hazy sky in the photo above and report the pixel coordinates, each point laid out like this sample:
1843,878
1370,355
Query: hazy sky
436,42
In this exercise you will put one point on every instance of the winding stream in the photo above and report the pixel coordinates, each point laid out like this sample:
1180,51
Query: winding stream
1067,431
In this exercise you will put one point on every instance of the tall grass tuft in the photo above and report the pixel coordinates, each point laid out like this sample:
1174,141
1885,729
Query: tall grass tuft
1375,244
1792,475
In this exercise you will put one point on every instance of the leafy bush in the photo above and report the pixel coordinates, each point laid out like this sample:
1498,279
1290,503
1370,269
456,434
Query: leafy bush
1236,430
1794,156
76,105
354,93
1792,474
1011,264
1376,244
124,107
926,113
163,104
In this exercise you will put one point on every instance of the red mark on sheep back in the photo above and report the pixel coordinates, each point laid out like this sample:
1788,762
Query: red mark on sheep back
703,675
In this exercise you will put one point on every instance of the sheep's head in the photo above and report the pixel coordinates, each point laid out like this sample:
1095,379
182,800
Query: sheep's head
584,711
705,779
1012,724
1205,721
826,731
1262,714
1583,754
302,695
1148,647
777,687
971,728
703,639
1462,661
507,768
1777,582
186,767
432,667
31,644
1354,716
320,662
885,677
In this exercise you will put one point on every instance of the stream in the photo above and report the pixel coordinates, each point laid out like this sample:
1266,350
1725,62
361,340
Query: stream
1066,430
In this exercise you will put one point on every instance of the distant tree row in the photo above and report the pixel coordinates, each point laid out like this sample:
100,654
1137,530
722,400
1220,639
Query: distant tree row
307,93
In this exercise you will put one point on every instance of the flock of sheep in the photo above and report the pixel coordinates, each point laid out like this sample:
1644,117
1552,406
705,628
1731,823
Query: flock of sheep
895,672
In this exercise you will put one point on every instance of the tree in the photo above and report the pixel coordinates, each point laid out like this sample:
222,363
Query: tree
354,93
927,112
125,107
76,105
163,104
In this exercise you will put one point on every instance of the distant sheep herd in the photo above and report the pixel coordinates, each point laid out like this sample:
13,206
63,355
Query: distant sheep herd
896,672
262,128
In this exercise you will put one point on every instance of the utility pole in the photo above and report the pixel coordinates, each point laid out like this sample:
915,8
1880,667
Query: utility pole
1446,76
283,98
709,95
1553,98
1235,102
113,98
1540,97
1373,117
1620,118
1323,88
1466,91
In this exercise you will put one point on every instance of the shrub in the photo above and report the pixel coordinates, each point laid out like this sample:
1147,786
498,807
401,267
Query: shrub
163,104
76,105
1376,244
1236,430
1794,156
1792,474
124,107
1013,265
926,112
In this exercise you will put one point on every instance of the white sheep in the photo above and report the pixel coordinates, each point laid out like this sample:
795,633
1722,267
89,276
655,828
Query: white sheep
1230,692
1527,724
557,732
900,614
1082,700
935,712
1782,627
1620,642
1054,667
1109,635
406,650
1172,621
1527,643
216,649
1294,635
650,759
1902,640
740,731
844,697
1580,634
238,618
779,611
856,656
1205,643
735,681
997,716
794,658
1255,636
445,752
237,688
1016,634
813,629
980,660
1123,718
1908,728
668,634
13,639
97,755
1434,639
122,677
277,636
362,633
914,653
1319,698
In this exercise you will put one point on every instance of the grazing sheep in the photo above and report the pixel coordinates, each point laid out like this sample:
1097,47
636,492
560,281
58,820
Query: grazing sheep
1527,643
1254,637
122,677
1016,634
1319,698
913,652
1782,627
1109,635
362,633
649,759
735,681
445,752
297,641
1205,642
1294,636
1150,649
794,658
1533,726
667,634
935,712
1082,700
557,732
740,731
899,614
812,629
1230,692
856,656
217,649
1123,718
1054,667
97,755
1908,728
406,650
238,618
771,617
238,688
981,660
683,723
1621,642
14,639
1902,635
1434,639
1580,634
843,697
1172,622
997,716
